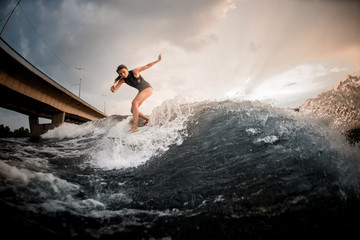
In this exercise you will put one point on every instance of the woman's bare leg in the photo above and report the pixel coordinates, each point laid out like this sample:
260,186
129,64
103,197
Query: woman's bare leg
141,115
136,103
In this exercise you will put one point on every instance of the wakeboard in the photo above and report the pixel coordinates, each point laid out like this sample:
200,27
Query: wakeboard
140,130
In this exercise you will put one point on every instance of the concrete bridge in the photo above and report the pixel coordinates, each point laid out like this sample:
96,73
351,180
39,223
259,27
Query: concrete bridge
25,89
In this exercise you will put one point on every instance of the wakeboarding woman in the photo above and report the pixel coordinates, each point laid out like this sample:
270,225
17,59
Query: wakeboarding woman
134,79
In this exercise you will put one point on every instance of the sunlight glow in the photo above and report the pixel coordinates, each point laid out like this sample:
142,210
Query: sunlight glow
298,80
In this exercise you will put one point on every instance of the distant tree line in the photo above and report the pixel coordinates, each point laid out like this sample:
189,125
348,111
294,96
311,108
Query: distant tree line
6,132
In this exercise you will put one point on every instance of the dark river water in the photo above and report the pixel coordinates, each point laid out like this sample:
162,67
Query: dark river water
204,170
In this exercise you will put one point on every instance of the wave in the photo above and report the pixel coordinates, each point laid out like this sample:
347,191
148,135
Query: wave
209,125
116,148
209,164
339,106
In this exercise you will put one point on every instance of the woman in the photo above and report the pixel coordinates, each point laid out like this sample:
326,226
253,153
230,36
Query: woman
134,79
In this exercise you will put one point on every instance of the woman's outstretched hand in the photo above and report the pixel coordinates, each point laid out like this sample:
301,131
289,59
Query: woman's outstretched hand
159,58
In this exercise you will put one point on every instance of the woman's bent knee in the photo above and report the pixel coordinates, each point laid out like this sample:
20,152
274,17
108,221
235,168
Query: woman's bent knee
134,103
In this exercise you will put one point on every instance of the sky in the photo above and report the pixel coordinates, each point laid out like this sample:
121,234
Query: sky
277,51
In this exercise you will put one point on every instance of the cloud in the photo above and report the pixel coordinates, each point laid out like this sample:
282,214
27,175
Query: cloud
289,85
102,34
274,36
187,24
209,47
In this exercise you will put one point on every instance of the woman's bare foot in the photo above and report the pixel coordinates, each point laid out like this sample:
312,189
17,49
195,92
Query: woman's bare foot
133,129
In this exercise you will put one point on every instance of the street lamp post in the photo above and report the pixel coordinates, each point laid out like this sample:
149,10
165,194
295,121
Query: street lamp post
80,69
104,95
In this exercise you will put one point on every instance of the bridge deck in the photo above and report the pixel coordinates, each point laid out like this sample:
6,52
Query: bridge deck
25,89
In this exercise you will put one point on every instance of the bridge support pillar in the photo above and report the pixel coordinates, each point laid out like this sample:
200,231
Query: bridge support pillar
58,119
37,129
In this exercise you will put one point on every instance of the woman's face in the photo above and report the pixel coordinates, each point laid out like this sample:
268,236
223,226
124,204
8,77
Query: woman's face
123,72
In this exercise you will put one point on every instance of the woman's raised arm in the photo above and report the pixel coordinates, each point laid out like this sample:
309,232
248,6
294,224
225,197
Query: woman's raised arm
137,71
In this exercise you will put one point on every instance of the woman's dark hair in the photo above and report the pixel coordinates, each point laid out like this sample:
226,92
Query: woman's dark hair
121,67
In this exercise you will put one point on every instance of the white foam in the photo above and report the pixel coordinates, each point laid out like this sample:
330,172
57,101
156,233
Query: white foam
268,139
120,149
19,177
69,204
253,131
339,106
14,174
67,130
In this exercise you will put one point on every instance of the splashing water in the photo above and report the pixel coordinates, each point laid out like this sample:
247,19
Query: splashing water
212,169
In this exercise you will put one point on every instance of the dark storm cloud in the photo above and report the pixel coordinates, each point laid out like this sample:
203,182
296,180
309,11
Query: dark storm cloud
56,33
185,24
